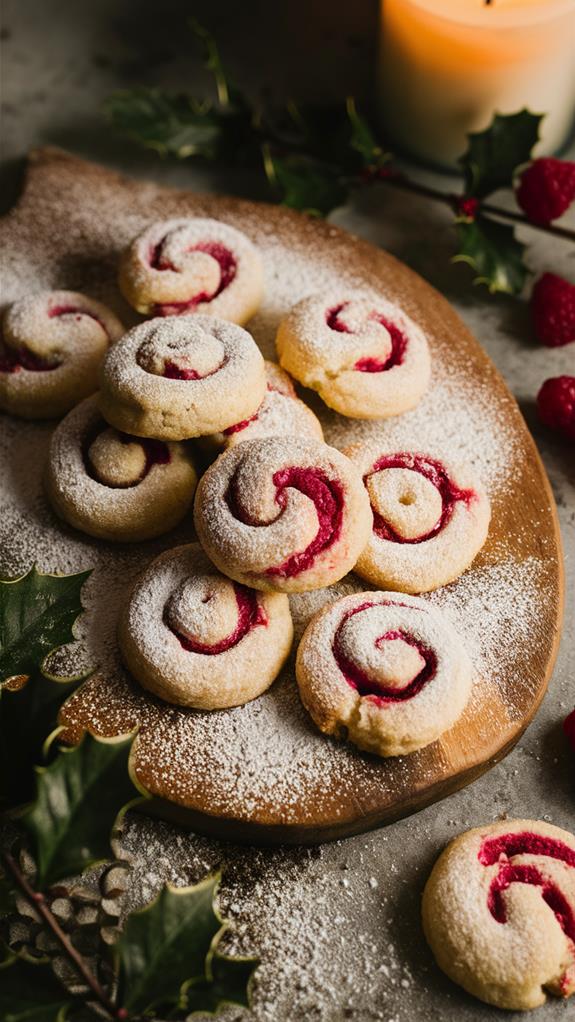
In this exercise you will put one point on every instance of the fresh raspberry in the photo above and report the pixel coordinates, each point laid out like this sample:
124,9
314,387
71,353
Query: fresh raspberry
553,310
569,728
546,189
556,404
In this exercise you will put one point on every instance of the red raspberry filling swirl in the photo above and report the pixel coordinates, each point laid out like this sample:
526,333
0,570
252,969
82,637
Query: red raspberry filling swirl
173,371
250,615
371,365
228,270
500,849
360,680
328,498
436,473
12,360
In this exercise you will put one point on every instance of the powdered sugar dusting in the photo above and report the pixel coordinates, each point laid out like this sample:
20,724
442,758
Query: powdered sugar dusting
266,761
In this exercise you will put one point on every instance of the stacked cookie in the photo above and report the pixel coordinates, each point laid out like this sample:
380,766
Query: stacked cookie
278,512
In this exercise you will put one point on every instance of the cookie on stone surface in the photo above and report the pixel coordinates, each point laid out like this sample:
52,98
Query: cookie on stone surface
499,912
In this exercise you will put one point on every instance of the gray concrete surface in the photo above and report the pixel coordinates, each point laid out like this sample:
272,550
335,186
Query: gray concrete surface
60,59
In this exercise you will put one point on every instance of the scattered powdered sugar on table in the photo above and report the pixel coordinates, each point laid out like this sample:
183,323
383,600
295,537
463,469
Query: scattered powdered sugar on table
297,910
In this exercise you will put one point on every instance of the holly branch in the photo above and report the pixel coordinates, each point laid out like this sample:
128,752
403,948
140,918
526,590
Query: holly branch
65,952
314,158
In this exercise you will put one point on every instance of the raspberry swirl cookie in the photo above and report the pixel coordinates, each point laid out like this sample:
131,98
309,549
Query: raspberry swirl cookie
283,513
499,912
177,378
115,486
195,638
195,265
387,672
364,356
281,413
430,518
53,343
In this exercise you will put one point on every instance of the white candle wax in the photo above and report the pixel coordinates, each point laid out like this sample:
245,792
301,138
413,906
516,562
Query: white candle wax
446,66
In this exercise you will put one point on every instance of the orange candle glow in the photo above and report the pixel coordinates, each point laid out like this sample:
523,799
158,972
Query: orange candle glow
446,66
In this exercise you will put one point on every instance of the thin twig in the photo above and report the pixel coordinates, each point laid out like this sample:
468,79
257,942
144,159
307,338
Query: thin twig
407,185
509,214
38,902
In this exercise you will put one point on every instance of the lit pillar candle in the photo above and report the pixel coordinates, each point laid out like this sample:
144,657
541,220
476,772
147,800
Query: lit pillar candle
446,66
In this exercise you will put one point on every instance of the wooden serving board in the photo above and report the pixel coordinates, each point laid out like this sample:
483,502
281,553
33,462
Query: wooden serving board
262,773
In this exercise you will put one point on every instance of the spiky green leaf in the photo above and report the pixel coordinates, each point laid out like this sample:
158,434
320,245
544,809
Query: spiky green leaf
79,797
363,140
31,993
228,95
227,983
494,154
28,714
306,184
37,614
165,946
169,123
494,252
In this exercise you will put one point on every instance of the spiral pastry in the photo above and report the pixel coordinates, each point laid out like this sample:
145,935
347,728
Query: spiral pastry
283,514
53,343
430,518
172,379
364,356
281,413
499,912
115,486
195,638
194,265
387,672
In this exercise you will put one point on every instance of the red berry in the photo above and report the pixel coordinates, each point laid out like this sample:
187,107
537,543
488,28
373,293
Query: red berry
546,189
569,728
467,207
553,310
556,405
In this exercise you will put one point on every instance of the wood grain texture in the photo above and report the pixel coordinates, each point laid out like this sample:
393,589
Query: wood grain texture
99,212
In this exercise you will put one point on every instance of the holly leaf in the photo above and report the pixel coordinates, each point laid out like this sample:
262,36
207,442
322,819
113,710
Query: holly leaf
305,183
28,714
362,139
228,94
494,154
31,993
37,615
164,947
170,124
80,798
227,982
492,249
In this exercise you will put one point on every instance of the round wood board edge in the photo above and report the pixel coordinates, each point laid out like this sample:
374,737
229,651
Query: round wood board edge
362,819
